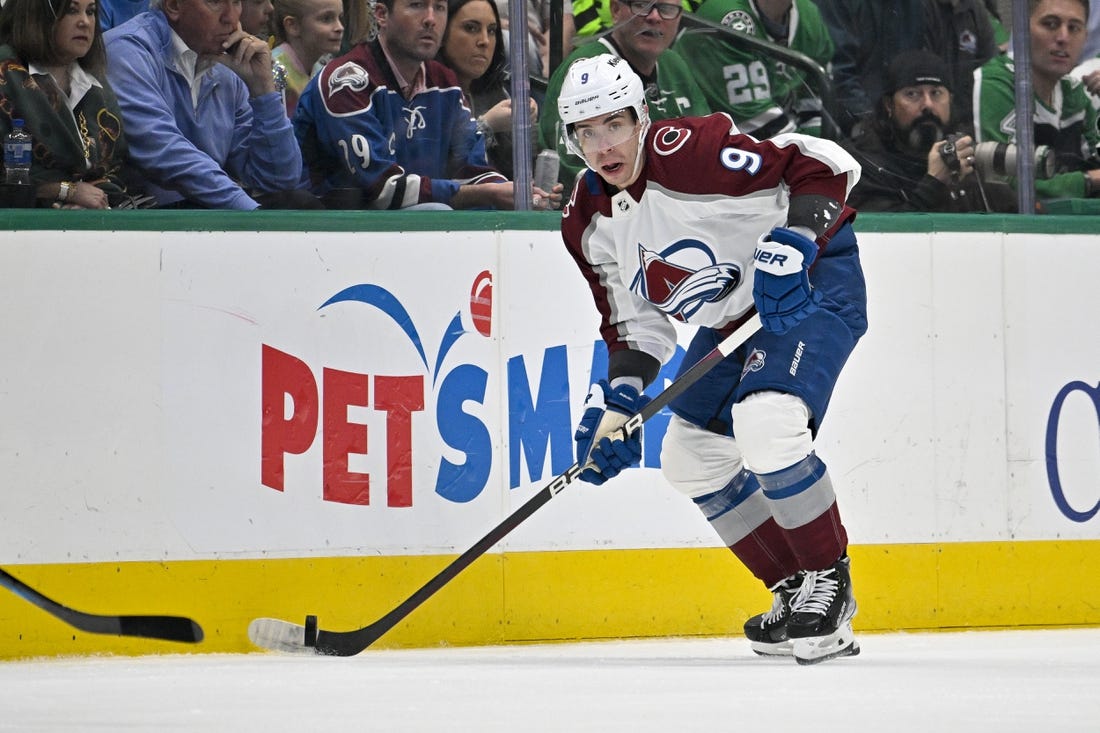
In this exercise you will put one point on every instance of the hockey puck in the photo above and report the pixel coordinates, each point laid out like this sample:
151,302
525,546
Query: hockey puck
311,630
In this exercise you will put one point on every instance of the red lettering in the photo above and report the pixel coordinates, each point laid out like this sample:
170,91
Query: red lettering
282,375
399,397
341,437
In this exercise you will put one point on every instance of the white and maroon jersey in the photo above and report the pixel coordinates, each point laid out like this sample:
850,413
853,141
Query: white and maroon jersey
679,241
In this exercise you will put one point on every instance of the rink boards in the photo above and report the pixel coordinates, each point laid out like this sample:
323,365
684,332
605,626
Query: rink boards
228,416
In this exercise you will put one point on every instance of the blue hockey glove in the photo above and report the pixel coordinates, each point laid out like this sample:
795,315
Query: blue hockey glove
606,410
781,287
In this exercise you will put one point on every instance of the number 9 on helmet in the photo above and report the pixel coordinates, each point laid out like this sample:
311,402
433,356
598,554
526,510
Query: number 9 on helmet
597,86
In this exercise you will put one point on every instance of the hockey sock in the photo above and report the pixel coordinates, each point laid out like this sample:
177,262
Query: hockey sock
803,503
740,515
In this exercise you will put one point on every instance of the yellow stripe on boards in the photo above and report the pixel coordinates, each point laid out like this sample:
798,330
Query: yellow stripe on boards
543,596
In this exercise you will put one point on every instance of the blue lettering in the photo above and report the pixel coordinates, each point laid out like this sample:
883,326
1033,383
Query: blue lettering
465,433
534,426
1053,476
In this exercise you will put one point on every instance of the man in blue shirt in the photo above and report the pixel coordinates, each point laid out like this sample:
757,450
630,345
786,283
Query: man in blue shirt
198,98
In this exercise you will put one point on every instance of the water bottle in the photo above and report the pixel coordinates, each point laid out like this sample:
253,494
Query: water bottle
546,170
17,154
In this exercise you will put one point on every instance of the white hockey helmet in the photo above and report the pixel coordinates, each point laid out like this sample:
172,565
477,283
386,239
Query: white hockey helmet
599,85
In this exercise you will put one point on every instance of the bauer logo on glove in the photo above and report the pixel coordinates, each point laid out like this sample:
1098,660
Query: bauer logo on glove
781,285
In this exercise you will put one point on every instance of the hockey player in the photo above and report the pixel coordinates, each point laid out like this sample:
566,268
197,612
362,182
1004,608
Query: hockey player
689,219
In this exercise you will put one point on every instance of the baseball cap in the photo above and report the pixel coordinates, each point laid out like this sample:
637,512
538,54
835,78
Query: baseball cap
913,68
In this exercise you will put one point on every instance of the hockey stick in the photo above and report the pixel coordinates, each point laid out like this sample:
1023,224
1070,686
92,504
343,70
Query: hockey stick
169,628
285,636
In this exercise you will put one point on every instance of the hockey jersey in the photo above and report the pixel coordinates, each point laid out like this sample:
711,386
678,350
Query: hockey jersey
357,130
765,96
678,243
671,92
1069,125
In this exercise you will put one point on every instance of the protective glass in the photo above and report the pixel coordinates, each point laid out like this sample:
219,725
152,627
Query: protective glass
667,11
591,138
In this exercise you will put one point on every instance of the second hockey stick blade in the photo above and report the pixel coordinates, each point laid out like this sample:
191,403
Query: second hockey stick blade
286,636
167,628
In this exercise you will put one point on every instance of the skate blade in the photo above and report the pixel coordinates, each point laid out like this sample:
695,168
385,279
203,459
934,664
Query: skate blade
778,649
817,649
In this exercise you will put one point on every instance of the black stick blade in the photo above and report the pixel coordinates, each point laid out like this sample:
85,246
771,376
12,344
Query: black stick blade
169,628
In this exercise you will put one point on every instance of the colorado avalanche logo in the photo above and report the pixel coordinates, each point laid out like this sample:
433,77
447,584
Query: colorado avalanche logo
349,75
673,281
754,363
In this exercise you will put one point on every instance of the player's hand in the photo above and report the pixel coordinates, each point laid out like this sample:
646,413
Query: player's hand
781,285
250,58
606,410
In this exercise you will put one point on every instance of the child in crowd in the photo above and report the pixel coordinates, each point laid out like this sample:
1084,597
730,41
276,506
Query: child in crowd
308,33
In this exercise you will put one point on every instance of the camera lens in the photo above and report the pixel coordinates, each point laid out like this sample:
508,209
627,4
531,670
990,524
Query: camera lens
1000,159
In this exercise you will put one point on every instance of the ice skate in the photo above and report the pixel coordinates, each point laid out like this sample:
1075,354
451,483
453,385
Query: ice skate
767,632
819,626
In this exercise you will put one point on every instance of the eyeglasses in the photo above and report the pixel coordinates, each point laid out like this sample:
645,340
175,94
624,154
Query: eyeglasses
667,11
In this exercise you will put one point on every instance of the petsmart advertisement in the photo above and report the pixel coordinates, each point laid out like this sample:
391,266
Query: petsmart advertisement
263,422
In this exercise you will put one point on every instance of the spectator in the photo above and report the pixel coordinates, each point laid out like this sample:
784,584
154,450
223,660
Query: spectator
199,101
538,32
593,17
359,23
902,154
473,47
256,17
868,33
1001,35
765,97
307,32
117,12
643,32
385,126
52,77
1064,119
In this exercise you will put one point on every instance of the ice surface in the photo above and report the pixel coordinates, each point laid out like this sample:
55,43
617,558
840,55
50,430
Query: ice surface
995,681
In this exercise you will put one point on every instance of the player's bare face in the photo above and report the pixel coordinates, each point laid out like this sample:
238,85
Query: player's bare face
610,145
1057,37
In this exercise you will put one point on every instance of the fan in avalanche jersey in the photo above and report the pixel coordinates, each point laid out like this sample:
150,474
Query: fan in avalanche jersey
689,219
763,95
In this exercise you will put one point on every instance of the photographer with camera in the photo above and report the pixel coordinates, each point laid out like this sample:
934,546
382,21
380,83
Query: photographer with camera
1064,119
910,161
